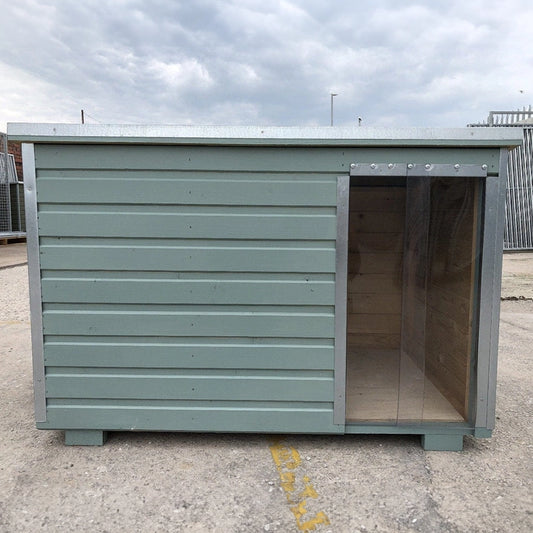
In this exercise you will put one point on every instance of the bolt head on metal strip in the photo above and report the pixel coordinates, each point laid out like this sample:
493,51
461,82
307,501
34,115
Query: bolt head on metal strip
377,169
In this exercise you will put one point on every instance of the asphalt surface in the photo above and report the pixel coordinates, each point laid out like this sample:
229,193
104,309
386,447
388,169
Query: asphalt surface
238,483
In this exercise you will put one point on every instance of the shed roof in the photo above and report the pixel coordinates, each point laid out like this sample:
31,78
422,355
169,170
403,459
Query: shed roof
266,136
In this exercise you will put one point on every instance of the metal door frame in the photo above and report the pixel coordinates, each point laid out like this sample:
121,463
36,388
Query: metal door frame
490,271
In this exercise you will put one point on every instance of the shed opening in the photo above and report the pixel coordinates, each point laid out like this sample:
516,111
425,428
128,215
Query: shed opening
413,250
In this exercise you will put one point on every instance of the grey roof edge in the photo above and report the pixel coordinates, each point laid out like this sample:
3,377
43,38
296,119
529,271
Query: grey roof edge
245,135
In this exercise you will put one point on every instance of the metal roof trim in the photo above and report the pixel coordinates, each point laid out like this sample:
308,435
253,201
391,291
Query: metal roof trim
269,135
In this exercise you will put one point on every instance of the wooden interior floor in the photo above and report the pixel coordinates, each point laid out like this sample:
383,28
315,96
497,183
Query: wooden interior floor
372,390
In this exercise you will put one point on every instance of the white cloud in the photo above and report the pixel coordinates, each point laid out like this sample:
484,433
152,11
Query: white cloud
189,73
25,97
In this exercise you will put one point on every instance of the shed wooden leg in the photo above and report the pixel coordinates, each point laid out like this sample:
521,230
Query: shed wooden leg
85,437
444,443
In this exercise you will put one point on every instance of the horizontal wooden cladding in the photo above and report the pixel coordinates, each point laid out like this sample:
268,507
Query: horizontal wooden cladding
438,356
184,192
121,242
187,291
375,222
450,303
249,324
378,199
162,258
176,175
454,388
375,323
190,387
148,418
209,353
377,242
228,226
374,341
217,159
242,158
184,210
180,275
375,303
246,405
374,284
374,263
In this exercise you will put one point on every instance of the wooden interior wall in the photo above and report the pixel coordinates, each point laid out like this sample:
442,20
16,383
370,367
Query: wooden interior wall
452,242
377,280
375,266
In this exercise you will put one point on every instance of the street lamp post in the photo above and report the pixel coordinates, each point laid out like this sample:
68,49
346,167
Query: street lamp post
331,114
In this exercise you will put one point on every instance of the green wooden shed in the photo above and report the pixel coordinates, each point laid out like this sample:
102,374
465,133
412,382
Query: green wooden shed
306,280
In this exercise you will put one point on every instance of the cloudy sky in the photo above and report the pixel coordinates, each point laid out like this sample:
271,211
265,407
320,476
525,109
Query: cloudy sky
264,62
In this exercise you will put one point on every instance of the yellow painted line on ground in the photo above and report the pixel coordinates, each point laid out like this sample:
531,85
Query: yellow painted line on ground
297,487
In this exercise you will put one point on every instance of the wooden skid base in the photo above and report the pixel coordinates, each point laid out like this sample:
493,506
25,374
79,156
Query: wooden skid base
85,437
442,443
430,442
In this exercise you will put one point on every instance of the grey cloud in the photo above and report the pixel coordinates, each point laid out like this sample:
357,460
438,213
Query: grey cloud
441,63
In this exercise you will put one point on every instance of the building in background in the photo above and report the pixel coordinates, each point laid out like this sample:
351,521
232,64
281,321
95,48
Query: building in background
519,202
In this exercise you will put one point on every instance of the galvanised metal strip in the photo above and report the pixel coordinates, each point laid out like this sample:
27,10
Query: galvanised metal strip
489,295
34,273
341,296
417,169
496,292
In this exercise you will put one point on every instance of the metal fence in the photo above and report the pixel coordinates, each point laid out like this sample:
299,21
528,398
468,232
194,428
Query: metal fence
12,217
519,203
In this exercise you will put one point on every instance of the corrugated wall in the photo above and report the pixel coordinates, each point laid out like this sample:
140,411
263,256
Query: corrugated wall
188,287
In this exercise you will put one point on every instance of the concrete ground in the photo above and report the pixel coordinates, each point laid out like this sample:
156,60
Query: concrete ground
166,482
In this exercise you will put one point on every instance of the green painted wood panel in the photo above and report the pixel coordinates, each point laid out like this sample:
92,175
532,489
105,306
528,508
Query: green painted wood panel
177,225
188,373
137,291
288,277
212,353
166,324
227,259
178,175
154,242
196,419
184,210
187,309
201,387
247,158
166,403
192,191
165,283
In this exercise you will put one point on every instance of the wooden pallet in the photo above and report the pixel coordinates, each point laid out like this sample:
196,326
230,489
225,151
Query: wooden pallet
11,239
